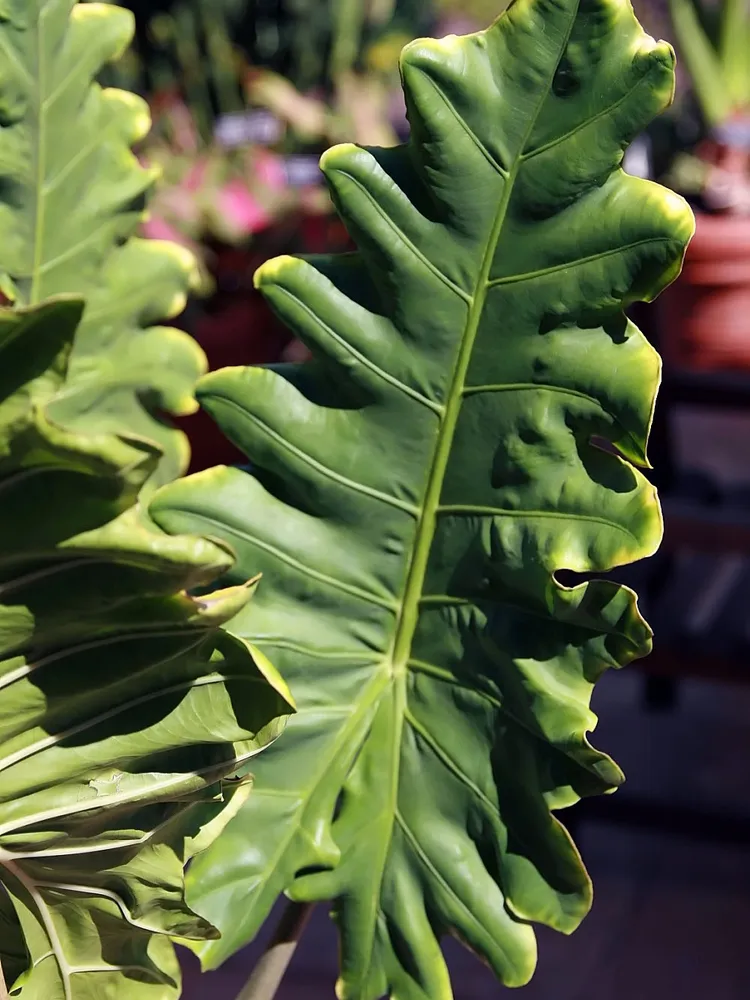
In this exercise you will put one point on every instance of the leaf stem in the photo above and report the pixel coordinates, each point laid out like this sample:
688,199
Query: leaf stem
267,975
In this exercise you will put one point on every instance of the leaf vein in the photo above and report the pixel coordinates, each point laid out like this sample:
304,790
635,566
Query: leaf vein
302,568
429,865
560,139
362,358
543,272
407,621
433,268
446,677
46,918
451,764
14,58
41,745
473,390
464,125
336,477
322,654
468,510
171,788
71,251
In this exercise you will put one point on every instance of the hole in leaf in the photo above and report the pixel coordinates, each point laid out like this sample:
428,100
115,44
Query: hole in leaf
566,81
570,578
606,446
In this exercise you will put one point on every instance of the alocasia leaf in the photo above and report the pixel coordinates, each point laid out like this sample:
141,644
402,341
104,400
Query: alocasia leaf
417,487
72,195
123,705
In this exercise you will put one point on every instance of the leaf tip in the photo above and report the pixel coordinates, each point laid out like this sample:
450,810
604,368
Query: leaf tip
272,676
121,23
333,157
140,118
270,272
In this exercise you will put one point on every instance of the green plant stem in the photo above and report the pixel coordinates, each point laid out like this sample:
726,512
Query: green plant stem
190,60
4,995
267,975
349,20
222,62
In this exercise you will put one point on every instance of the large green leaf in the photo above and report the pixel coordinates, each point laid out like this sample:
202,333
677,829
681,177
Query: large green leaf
418,486
71,196
123,705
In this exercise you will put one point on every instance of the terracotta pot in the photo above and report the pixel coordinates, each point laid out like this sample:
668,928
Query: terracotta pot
705,314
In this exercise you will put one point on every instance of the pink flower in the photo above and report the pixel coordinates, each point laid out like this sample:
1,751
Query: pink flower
240,208
269,170
156,228
196,175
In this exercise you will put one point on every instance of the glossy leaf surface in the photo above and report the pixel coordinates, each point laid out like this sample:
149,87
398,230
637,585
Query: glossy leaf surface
418,486
71,197
123,705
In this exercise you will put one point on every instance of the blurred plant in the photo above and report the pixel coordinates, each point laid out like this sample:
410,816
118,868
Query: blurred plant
714,43
237,146
236,142
472,11
312,42
245,97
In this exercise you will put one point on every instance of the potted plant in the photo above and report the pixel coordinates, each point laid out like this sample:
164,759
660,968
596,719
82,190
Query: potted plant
472,422
706,314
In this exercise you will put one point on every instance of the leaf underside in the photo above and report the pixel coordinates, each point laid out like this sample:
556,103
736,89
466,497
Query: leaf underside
123,705
72,195
416,488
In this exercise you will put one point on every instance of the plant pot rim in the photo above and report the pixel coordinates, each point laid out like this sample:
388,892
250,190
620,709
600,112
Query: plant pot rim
719,237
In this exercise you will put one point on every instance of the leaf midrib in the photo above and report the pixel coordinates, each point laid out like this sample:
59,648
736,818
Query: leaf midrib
409,609
408,615
45,917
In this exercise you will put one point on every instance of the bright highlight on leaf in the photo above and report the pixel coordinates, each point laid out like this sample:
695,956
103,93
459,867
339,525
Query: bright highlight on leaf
418,486
123,706
72,195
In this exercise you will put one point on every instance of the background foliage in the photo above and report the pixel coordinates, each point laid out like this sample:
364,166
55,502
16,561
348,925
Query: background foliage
122,704
72,196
